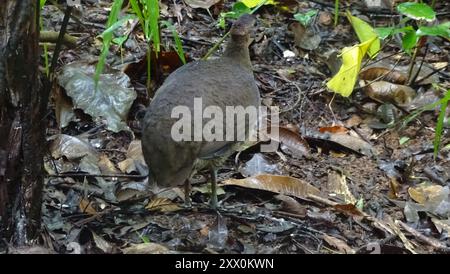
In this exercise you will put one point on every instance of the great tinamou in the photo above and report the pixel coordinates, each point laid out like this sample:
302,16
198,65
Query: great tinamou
222,82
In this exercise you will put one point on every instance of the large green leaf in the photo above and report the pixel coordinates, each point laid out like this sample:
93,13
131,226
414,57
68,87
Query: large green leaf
436,30
417,11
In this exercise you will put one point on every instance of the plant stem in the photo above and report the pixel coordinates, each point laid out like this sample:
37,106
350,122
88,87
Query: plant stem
149,79
336,12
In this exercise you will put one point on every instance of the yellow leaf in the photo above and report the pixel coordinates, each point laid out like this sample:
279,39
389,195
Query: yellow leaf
253,3
365,33
344,81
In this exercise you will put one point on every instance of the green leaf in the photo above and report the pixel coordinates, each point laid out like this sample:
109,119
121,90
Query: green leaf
384,33
305,18
403,140
42,3
436,30
409,41
153,5
365,32
179,45
109,32
417,11
107,38
238,9
440,123
344,81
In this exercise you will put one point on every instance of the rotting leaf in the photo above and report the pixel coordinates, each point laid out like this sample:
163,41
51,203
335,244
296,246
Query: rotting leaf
71,147
111,100
101,243
339,244
279,184
258,165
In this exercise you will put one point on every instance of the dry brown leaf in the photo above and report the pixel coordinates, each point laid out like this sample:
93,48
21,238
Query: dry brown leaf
334,129
425,193
353,143
385,92
291,205
337,183
349,209
127,194
162,204
279,184
293,140
353,121
387,75
339,244
127,165
86,207
106,166
146,248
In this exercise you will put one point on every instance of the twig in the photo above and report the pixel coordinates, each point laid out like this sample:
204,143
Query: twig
430,241
77,175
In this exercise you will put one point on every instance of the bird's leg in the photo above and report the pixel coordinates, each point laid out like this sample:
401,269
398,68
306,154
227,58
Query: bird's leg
187,193
213,201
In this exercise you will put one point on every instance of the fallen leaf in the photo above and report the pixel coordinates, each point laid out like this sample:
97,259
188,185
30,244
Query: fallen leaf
279,184
289,204
146,248
339,244
86,207
383,74
162,204
385,92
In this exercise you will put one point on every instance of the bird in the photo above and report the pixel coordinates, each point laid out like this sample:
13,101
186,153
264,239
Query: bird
221,82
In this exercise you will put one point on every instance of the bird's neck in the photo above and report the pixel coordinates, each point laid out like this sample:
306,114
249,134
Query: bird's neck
237,49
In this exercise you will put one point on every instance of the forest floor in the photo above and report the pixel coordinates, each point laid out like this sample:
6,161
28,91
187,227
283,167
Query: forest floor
350,175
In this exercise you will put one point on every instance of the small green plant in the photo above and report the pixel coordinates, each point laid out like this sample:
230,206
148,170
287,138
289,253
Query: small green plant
147,12
336,12
305,18
240,8
107,36
237,10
